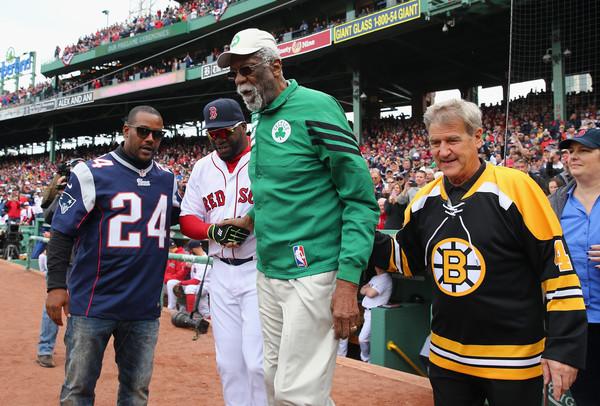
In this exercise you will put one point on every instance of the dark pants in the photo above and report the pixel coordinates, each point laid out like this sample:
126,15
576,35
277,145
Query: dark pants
455,389
586,389
86,339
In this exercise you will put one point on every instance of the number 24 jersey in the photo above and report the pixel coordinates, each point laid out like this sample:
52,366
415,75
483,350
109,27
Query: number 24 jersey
120,217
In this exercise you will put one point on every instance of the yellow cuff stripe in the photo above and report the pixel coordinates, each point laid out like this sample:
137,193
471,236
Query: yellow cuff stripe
563,281
405,268
565,305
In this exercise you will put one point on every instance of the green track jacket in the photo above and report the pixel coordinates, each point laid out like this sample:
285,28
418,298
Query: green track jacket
314,206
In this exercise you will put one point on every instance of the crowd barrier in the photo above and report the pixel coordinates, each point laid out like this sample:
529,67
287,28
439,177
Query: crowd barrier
178,257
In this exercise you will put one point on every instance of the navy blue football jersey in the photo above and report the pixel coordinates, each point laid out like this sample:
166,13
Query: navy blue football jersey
120,217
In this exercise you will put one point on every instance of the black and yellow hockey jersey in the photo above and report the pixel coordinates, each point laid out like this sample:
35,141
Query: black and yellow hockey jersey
505,291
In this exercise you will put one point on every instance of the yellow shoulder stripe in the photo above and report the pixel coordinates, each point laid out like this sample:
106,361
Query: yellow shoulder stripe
422,195
527,196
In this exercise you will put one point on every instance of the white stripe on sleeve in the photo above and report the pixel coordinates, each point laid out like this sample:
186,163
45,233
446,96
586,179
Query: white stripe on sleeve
86,183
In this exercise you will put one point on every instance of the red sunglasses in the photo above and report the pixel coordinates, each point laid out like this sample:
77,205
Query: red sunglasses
222,133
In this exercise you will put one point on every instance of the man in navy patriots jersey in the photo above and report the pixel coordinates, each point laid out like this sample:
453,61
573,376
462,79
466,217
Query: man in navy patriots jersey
116,210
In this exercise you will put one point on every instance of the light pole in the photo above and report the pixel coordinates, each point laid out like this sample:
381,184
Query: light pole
107,12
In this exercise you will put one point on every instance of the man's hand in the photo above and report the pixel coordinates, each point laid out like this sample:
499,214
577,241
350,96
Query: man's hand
344,307
594,254
245,222
242,222
227,234
57,184
561,375
56,301
178,291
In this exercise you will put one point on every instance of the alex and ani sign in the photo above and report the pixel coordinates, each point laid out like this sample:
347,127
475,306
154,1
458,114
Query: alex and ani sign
74,100
377,21
47,105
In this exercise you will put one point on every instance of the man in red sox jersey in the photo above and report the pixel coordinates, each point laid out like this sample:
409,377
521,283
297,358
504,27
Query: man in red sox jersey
219,188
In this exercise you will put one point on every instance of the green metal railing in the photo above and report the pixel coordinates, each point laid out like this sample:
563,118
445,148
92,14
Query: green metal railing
178,257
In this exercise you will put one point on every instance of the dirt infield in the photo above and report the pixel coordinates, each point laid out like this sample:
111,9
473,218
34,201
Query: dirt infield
184,370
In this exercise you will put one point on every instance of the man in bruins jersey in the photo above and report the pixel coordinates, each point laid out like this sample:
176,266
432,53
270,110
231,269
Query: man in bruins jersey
508,312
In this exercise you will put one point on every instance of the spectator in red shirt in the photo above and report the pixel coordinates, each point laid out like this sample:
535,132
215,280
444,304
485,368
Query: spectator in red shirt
13,208
175,269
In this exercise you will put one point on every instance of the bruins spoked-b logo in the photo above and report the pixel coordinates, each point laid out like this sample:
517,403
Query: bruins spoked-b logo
458,267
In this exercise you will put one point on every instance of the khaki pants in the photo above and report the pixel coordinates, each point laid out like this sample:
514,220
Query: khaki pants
299,343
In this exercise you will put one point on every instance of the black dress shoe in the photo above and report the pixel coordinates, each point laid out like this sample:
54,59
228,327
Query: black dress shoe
46,361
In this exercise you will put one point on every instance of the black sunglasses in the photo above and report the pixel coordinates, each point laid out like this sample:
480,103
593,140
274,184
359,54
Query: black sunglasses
244,70
143,132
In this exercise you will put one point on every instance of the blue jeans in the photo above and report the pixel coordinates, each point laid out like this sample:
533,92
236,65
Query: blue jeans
48,332
86,339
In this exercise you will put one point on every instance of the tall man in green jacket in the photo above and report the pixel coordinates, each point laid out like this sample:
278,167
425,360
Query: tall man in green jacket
314,218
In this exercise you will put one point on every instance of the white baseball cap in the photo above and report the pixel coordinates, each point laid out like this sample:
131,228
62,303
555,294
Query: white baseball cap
247,42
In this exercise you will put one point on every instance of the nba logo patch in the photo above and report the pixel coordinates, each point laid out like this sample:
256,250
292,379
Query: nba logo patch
300,256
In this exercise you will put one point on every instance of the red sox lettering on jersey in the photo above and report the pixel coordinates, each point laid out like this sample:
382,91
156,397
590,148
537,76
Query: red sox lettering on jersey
210,196
214,200
218,199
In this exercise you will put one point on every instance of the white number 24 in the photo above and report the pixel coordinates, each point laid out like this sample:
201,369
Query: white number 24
156,226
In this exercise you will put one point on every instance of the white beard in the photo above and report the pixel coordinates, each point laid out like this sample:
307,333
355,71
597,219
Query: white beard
254,102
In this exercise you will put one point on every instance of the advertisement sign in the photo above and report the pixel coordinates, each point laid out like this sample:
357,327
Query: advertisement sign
140,39
210,70
286,49
377,21
153,82
41,107
7,114
14,65
75,100
305,44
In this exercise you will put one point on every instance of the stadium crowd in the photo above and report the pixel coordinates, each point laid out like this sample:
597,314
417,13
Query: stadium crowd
140,24
137,25
189,11
396,149
26,95
23,178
